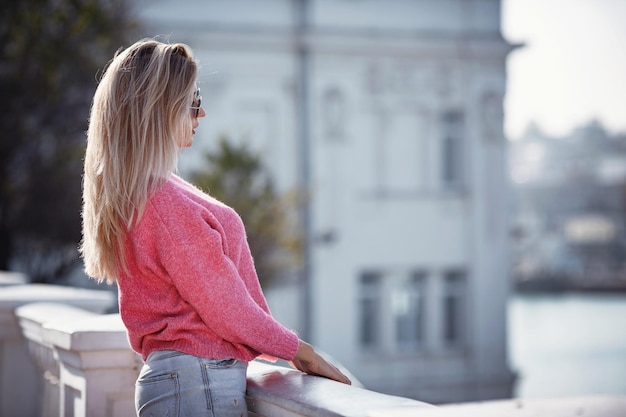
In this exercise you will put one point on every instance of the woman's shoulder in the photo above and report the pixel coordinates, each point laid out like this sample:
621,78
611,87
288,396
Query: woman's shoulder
172,192
178,207
175,195
169,208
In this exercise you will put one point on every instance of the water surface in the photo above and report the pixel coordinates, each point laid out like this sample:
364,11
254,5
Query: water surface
568,345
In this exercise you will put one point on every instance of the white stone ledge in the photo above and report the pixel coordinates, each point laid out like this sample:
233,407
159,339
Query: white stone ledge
12,278
14,296
594,406
275,391
95,333
33,318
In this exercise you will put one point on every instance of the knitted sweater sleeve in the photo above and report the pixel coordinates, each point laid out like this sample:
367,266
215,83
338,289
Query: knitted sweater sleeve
200,255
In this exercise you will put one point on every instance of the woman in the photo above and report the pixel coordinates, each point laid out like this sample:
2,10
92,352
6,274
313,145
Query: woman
188,291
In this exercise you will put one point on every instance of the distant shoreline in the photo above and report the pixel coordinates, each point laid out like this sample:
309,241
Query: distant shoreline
555,285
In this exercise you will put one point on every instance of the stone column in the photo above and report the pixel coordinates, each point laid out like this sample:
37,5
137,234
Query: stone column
20,380
33,319
97,368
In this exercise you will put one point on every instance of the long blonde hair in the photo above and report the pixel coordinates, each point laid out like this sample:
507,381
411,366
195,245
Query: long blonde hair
139,115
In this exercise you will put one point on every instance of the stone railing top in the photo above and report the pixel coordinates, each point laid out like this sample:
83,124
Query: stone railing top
36,316
91,333
11,297
12,278
278,391
593,406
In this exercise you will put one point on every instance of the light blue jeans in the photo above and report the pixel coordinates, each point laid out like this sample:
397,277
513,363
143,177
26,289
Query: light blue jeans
175,384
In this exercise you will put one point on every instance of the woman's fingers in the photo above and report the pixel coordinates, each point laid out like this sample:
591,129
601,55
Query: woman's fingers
338,376
309,361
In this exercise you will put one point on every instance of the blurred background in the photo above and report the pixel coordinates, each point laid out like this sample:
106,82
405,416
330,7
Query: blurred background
435,191
566,122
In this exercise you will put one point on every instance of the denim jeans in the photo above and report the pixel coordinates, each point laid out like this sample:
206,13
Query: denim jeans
175,384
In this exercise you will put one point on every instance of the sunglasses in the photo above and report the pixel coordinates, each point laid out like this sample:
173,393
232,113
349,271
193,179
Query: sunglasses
197,103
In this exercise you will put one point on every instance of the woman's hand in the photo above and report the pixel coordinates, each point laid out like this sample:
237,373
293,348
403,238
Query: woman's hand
309,361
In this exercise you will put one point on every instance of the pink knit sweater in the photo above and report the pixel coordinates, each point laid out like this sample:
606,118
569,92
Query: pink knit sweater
192,285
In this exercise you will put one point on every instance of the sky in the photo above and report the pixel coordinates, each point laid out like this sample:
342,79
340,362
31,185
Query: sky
572,68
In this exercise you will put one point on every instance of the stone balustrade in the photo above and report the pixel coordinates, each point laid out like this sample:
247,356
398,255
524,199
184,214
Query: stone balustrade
88,367
22,386
32,319
62,357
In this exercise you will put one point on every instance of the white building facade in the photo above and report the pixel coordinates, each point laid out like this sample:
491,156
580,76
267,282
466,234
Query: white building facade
389,114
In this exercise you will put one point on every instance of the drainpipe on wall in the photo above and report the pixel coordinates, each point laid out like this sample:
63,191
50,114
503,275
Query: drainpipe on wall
304,159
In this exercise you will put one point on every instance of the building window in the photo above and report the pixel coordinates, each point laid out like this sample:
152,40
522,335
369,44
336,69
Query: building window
408,310
452,168
453,308
370,304
392,310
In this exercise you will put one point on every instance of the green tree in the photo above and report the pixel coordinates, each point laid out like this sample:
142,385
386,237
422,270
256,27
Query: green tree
237,177
50,54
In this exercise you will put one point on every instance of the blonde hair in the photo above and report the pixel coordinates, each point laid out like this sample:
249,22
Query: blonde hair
139,115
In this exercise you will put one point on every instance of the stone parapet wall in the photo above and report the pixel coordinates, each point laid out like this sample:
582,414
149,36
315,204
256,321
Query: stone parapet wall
62,357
